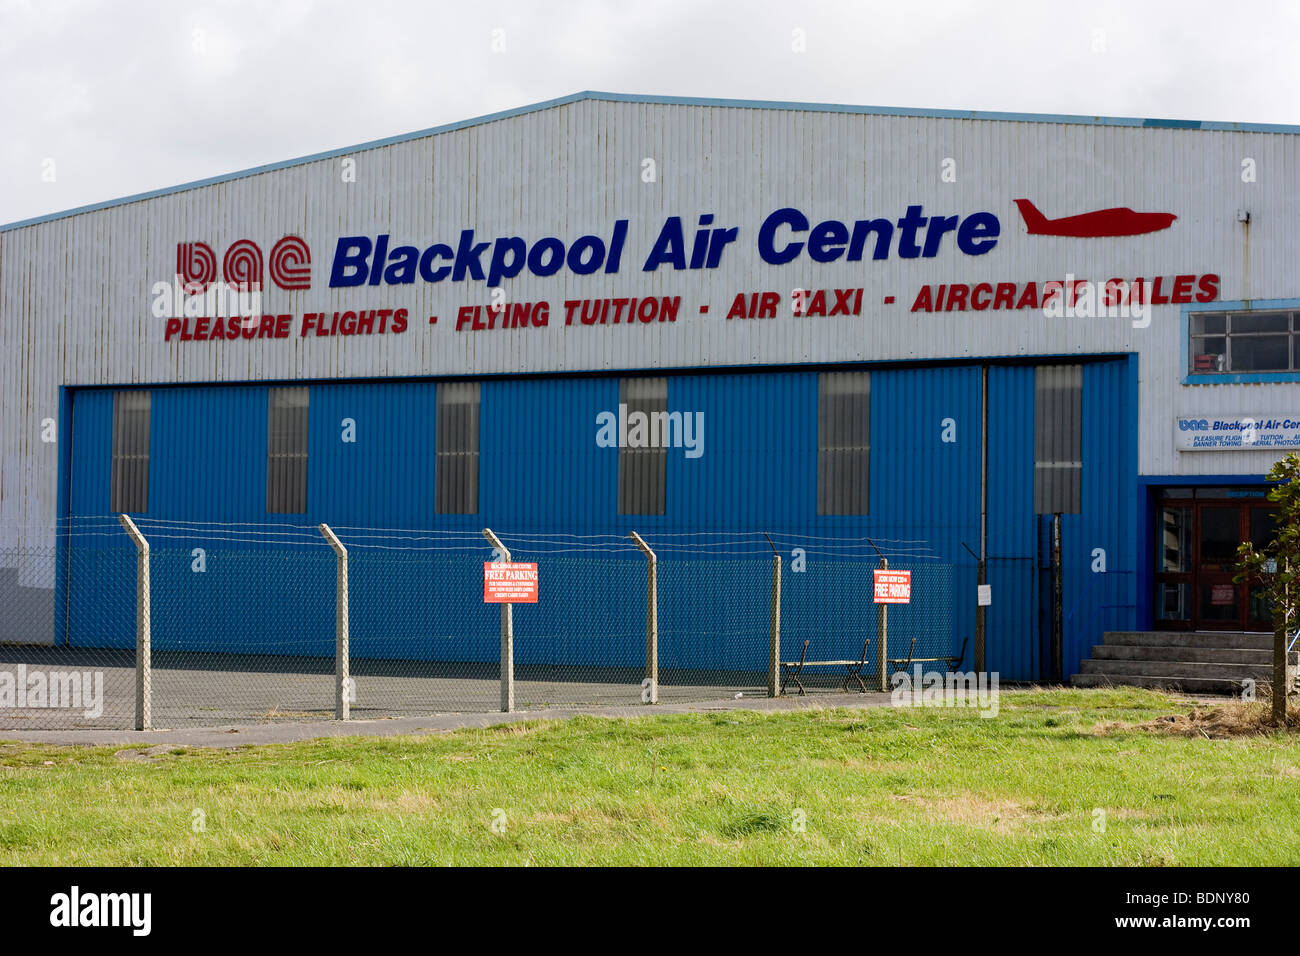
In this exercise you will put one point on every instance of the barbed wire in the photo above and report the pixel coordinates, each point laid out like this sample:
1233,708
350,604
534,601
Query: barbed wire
672,545
248,631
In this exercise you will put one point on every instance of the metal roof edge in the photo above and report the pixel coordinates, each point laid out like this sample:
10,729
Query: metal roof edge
1063,118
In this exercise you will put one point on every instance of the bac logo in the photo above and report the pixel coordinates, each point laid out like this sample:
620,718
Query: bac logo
289,265
1193,425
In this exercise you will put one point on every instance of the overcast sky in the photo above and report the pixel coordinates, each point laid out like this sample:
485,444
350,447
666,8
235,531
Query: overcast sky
112,98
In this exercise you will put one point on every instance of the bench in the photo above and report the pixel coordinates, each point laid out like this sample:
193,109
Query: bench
953,662
790,670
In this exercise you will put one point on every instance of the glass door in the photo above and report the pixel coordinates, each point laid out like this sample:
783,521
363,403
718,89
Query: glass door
1196,556
1218,603
1174,563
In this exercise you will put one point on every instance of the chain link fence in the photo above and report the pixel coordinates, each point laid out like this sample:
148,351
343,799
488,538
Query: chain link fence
245,622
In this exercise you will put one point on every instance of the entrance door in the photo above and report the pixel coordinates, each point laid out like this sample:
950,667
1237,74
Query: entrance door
1216,600
1196,555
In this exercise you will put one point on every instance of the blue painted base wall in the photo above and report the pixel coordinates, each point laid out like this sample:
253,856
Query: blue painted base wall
541,472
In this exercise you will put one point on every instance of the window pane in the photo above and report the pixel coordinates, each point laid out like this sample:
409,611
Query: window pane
1220,601
1209,355
643,470
1220,535
1208,322
1260,322
1175,550
129,476
1264,353
843,442
1172,602
1263,526
457,438
1254,342
1058,438
286,450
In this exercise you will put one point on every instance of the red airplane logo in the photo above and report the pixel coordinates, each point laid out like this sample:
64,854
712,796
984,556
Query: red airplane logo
1120,221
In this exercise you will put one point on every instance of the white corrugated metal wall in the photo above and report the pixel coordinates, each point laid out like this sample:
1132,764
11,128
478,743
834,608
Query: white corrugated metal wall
75,292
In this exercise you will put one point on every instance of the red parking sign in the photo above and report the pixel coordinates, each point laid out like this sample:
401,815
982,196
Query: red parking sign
509,583
893,587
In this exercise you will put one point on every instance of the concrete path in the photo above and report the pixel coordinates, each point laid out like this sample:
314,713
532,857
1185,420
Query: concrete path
288,731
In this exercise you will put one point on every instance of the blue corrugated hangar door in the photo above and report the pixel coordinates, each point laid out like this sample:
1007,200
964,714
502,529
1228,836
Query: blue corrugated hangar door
1011,621
97,597
1062,440
189,465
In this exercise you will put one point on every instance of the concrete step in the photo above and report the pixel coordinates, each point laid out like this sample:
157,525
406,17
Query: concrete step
1233,639
1177,669
1187,685
1204,655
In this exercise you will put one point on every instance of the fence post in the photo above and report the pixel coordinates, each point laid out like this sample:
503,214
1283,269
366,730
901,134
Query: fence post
507,636
774,637
981,612
1058,603
342,678
1281,653
651,621
882,629
143,654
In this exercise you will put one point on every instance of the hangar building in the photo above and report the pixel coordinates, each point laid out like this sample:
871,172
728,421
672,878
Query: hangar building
914,325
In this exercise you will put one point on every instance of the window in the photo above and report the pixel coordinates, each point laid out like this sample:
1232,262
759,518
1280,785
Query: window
1228,342
1058,437
843,442
456,432
129,487
286,451
643,468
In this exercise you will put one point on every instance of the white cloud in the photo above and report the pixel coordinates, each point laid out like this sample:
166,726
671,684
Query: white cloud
134,96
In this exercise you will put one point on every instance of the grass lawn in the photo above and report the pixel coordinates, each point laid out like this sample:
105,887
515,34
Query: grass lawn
1033,785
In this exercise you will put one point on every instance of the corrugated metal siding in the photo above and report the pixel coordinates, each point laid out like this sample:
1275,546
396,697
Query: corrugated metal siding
208,455
1012,625
92,452
385,478
1019,566
541,467
76,296
541,470
757,427
75,293
98,565
1109,522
